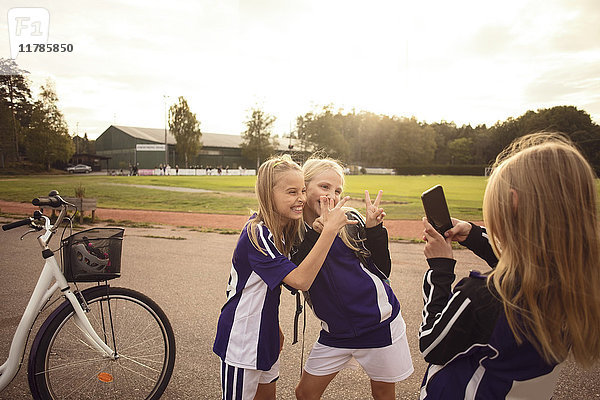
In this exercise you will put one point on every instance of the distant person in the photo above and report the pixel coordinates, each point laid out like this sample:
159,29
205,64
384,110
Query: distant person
361,322
503,333
168,170
249,338
176,169
241,170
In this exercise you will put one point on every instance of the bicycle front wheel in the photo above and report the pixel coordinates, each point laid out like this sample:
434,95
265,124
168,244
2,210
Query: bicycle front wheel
63,364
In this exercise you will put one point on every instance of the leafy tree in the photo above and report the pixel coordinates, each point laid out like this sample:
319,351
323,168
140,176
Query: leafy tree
7,135
444,133
461,150
83,145
302,127
48,139
257,143
351,127
186,129
324,131
379,140
412,143
15,108
368,139
577,124
567,119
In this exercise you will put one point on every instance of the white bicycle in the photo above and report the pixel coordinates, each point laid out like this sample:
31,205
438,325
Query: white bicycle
101,342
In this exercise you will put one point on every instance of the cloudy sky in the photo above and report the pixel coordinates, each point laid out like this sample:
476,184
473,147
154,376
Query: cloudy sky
467,61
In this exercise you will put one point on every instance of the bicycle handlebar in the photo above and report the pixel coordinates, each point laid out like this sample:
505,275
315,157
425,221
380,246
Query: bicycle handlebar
52,201
16,224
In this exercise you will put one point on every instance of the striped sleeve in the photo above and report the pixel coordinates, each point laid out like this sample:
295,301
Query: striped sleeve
453,320
376,241
479,243
273,266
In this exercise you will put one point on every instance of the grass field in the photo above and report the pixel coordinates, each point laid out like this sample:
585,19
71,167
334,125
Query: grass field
235,194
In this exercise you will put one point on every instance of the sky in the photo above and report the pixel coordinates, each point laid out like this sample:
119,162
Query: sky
466,61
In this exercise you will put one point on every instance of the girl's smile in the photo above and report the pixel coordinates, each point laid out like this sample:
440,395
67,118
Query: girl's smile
289,195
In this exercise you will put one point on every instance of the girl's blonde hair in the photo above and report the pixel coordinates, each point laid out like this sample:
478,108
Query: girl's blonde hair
540,211
285,232
315,166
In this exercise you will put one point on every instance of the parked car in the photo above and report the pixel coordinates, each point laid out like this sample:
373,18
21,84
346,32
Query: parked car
79,168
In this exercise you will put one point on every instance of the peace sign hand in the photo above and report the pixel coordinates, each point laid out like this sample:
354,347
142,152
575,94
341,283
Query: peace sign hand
375,214
334,218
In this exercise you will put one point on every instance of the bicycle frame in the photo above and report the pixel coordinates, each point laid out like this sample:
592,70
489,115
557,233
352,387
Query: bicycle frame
51,279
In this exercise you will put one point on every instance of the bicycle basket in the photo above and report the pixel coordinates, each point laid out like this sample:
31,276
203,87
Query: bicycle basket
93,255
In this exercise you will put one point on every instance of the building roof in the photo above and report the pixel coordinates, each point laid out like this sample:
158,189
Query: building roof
208,139
158,136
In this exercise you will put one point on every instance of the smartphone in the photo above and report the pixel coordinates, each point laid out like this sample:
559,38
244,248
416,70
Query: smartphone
436,209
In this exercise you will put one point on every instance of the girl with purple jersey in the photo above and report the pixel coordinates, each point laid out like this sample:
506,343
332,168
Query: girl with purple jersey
248,338
504,334
361,323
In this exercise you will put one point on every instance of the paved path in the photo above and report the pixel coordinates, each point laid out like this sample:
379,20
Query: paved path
187,278
166,188
404,229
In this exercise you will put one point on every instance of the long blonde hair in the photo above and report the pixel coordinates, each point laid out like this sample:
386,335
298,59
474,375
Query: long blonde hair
285,233
540,211
315,166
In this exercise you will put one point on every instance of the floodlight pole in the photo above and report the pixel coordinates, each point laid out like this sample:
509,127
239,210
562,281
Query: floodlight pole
166,144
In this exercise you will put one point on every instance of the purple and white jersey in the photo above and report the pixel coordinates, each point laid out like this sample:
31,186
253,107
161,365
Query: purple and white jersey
349,295
466,338
248,328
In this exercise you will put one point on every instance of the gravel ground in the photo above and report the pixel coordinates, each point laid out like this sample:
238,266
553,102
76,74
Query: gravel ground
187,278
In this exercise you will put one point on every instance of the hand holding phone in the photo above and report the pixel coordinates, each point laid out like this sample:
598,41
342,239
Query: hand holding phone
436,209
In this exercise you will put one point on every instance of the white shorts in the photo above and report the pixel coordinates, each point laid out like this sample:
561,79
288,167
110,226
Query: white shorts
385,364
242,384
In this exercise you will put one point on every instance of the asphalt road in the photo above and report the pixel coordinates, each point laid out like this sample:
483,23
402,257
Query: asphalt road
187,278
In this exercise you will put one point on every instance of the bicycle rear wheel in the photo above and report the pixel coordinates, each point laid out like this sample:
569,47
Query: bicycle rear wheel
63,365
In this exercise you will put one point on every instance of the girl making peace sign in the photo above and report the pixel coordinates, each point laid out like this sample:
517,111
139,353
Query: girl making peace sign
360,315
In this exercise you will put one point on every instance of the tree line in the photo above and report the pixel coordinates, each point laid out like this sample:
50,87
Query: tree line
36,129
30,127
401,143
409,146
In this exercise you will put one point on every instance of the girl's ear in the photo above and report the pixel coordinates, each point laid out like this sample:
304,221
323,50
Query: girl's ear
515,200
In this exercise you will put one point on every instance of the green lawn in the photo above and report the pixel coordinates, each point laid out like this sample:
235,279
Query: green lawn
402,194
235,194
